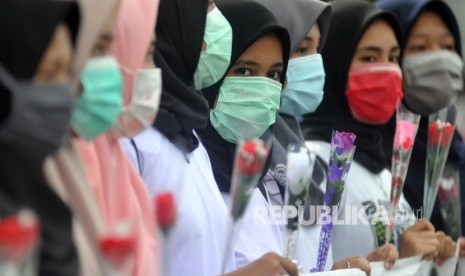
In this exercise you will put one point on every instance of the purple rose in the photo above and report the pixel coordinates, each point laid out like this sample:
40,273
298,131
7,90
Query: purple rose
338,167
344,142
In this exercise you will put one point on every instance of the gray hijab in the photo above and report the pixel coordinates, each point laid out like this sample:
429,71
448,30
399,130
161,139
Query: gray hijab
298,17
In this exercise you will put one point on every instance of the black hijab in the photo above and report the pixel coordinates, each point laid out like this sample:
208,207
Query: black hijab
350,19
408,12
249,22
26,33
179,36
27,28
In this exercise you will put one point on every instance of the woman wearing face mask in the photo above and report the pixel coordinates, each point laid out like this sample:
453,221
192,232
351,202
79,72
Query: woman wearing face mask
65,169
119,191
36,104
433,80
307,22
305,78
161,153
233,118
364,58
168,156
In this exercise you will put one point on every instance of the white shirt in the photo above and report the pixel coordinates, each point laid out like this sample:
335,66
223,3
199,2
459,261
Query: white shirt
258,231
198,239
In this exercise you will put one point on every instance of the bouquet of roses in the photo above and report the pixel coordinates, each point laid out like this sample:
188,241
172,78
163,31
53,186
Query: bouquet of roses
449,198
340,159
118,249
19,236
441,131
406,132
248,167
300,164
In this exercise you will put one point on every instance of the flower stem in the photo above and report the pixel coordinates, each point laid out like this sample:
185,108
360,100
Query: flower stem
166,255
228,246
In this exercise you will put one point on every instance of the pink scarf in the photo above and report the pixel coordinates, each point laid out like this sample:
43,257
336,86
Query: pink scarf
118,189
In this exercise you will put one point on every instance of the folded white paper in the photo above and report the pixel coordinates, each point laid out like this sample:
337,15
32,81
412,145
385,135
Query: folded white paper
403,267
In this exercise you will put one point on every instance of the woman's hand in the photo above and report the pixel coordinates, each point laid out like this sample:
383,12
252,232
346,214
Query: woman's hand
447,248
353,262
387,253
270,264
419,239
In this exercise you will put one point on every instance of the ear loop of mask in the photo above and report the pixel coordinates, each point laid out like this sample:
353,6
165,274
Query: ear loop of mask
127,70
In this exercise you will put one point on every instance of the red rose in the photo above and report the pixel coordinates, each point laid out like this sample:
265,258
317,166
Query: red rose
18,235
396,182
117,248
434,133
251,157
440,134
448,133
165,210
407,144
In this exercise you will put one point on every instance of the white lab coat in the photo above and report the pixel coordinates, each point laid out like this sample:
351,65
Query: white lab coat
198,239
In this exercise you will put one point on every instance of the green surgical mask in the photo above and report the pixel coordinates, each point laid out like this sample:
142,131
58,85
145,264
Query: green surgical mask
101,102
246,107
214,61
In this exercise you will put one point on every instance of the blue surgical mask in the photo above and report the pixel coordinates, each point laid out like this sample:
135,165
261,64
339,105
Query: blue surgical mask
304,92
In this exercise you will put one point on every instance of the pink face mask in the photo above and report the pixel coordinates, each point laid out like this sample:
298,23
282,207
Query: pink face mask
373,91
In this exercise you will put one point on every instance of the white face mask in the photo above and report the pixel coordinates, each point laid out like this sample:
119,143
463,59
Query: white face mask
143,108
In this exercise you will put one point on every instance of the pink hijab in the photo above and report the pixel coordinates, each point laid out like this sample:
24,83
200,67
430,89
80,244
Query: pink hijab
134,30
119,190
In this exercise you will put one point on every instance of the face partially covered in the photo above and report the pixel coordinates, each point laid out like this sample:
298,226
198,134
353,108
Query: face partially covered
101,98
249,96
374,84
305,77
433,71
